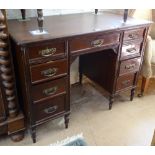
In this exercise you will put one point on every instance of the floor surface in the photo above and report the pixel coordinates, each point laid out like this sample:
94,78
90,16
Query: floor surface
128,123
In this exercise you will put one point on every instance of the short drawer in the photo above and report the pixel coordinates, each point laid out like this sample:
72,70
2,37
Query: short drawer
131,65
125,81
130,49
49,70
94,41
50,89
49,108
53,49
134,34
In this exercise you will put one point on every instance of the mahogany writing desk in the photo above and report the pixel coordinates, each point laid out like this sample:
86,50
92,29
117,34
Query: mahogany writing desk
110,51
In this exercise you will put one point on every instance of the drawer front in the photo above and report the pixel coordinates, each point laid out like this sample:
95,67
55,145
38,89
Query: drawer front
134,34
3,128
49,108
94,41
50,70
53,49
128,66
125,81
131,49
48,90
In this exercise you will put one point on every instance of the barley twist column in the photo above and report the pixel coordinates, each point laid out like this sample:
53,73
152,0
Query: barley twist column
6,72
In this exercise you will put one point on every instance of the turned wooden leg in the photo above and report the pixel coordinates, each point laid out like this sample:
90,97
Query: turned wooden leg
17,136
80,77
132,94
66,117
80,71
144,86
33,134
111,100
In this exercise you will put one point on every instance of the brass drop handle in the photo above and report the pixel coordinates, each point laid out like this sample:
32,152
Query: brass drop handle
50,91
97,43
131,50
51,109
126,82
130,66
49,72
47,52
133,36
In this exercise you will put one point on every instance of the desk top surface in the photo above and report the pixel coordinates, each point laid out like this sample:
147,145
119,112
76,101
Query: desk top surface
60,26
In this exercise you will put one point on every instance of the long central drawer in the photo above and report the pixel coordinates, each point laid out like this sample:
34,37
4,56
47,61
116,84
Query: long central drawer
93,41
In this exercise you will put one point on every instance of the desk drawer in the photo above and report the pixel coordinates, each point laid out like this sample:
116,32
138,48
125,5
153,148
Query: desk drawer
134,34
131,65
53,49
49,108
49,89
49,70
94,41
125,81
130,50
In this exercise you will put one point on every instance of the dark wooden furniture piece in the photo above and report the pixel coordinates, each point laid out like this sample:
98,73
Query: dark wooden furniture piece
11,118
144,86
110,51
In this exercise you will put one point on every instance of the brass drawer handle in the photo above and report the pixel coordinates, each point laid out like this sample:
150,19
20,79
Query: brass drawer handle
126,82
97,43
131,50
47,52
51,110
50,91
133,36
130,66
49,72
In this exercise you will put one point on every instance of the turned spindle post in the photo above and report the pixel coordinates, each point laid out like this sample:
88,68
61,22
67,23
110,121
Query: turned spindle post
23,13
125,16
96,11
40,19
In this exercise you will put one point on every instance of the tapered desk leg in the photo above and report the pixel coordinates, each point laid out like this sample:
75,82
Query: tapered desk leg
111,100
132,94
80,71
33,134
66,117
80,77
